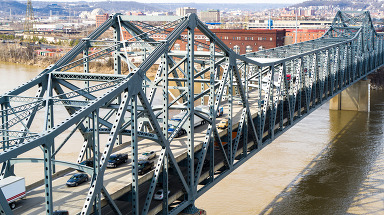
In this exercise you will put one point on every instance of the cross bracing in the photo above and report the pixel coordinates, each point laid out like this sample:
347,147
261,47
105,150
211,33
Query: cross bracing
262,94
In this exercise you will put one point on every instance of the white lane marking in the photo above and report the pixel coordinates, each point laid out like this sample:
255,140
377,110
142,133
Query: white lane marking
17,208
61,187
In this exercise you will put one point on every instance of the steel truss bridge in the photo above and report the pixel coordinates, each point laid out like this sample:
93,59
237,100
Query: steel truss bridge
263,94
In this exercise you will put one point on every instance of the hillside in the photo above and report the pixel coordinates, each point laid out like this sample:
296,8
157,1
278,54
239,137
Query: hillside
355,4
62,7
16,7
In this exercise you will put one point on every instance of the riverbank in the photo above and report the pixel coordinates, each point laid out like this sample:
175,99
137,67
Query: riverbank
25,55
15,53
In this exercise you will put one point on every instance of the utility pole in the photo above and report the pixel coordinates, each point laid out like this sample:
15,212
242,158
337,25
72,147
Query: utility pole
29,18
296,26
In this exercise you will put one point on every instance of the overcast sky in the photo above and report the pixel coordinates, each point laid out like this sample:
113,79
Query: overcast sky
201,1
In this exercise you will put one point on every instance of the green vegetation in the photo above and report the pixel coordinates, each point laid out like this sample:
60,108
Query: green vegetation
7,37
74,42
40,40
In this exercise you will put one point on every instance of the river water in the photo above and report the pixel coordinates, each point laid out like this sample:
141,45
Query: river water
332,162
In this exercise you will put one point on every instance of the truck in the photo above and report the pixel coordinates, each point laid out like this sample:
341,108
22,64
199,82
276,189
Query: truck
220,111
13,188
175,120
205,109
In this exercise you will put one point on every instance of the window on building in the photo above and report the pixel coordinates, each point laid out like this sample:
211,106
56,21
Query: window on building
236,49
176,47
248,49
270,39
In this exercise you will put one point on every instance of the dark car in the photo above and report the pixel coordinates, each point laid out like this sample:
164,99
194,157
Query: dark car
77,179
88,162
60,212
144,167
117,159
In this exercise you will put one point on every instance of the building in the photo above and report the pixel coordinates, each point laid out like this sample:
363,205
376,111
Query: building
302,13
212,16
290,24
135,13
182,11
302,35
240,40
48,27
100,19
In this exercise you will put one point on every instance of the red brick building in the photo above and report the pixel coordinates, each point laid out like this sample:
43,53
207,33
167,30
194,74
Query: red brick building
302,35
100,19
239,40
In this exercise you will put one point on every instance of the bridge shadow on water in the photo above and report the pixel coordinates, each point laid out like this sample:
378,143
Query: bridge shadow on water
346,177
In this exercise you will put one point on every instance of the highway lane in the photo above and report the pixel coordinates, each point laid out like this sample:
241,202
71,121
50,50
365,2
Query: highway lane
72,198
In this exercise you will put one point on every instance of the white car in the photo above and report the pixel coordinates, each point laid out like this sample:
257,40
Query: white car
146,156
160,194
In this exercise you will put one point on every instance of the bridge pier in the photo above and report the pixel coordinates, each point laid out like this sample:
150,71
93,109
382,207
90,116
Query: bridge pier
355,97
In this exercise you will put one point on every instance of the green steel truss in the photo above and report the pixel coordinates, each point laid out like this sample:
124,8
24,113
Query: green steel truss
267,103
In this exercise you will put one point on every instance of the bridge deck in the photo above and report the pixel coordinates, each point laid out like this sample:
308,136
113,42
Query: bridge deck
118,180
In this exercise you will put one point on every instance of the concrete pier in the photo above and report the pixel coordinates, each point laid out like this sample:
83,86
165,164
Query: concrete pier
355,97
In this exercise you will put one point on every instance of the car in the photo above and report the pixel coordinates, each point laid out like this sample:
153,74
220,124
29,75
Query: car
88,162
160,194
223,124
60,212
148,155
144,167
77,179
117,159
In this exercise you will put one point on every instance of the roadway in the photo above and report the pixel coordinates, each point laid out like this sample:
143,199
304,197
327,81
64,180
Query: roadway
118,180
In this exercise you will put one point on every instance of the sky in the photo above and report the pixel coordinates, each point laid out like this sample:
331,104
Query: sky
199,1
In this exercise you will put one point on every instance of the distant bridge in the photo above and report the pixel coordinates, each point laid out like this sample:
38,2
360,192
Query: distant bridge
262,93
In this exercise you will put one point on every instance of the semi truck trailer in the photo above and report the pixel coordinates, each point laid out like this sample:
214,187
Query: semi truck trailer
13,188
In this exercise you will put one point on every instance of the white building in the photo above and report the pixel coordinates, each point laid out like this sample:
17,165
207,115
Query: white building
182,11
290,24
